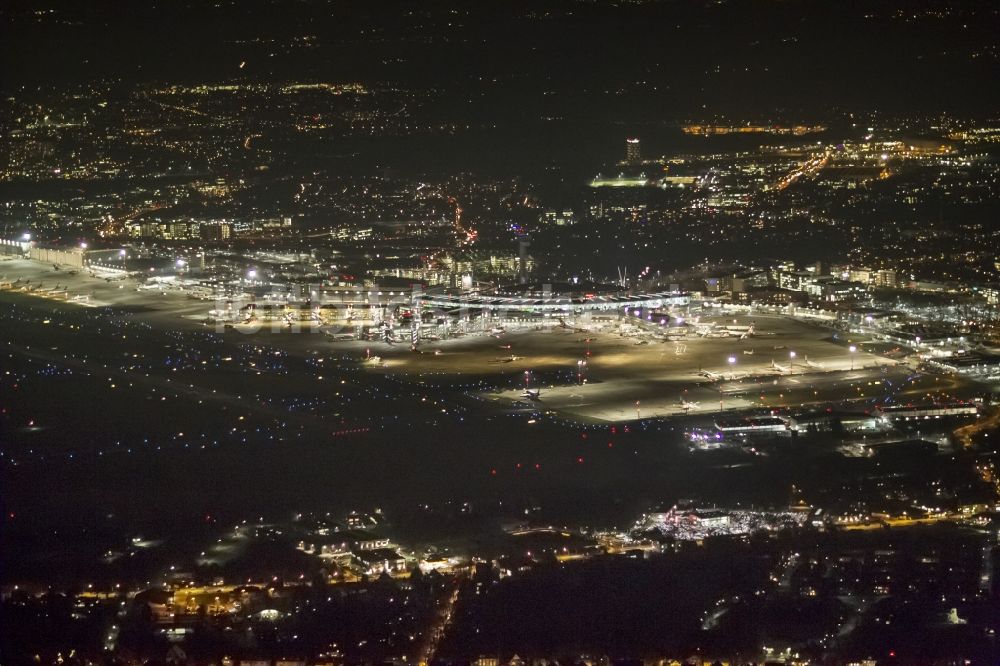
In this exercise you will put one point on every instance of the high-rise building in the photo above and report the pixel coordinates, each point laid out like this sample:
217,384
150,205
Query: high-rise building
553,216
632,151
216,231
884,278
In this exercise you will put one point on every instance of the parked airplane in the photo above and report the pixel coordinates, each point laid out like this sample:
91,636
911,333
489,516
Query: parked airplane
783,369
688,406
506,359
576,329
532,394
811,364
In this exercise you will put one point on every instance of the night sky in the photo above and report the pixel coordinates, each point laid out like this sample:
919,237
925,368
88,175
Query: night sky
644,60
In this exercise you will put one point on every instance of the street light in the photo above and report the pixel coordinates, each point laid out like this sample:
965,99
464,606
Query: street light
852,349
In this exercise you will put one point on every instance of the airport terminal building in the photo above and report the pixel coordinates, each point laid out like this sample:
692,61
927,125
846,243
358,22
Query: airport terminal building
558,299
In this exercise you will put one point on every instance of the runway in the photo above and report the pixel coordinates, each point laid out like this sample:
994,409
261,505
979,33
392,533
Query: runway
603,373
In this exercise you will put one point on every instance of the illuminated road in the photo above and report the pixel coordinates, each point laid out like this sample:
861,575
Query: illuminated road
443,619
808,167
989,422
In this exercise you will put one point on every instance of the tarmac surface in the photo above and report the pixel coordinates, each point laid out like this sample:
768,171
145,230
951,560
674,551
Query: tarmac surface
602,372
611,377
